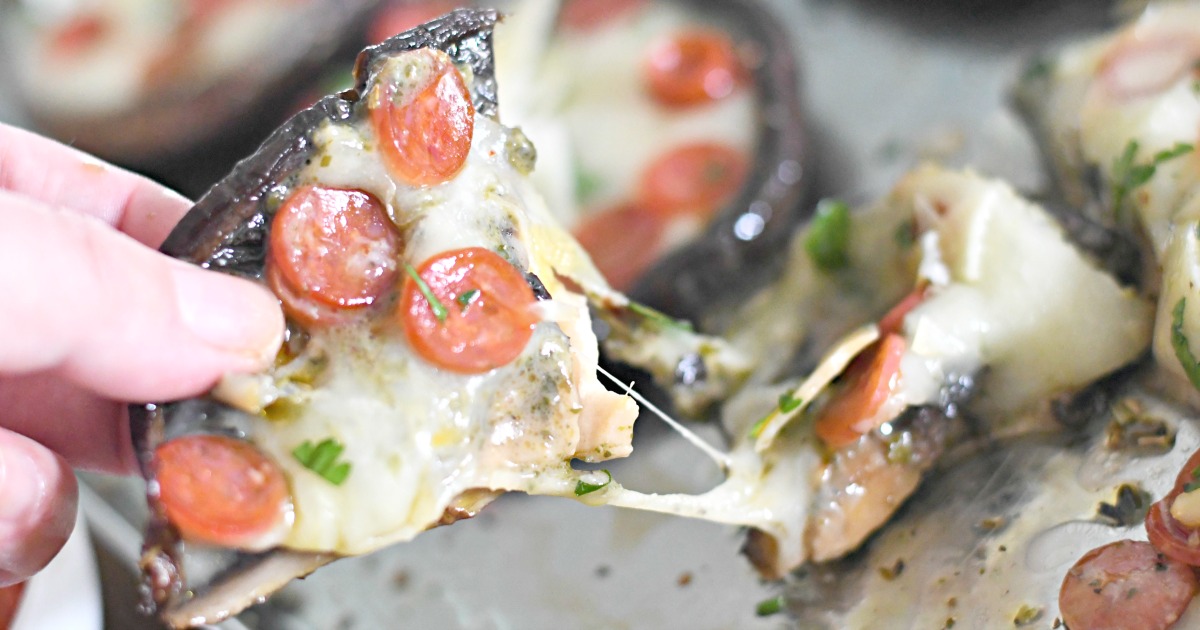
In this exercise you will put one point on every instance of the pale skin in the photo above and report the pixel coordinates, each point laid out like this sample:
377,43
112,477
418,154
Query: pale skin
93,318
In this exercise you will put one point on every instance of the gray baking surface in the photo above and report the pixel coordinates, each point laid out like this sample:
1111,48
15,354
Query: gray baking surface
887,84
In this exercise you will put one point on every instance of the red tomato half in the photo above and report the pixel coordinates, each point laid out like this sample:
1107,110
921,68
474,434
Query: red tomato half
331,249
425,133
1169,535
219,490
1123,585
481,314
623,242
694,178
692,68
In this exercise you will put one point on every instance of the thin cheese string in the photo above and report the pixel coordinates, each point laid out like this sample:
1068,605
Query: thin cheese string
720,457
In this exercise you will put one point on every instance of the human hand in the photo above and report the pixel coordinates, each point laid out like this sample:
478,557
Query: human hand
91,317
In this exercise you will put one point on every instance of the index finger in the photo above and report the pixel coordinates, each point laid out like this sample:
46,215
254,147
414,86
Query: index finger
57,175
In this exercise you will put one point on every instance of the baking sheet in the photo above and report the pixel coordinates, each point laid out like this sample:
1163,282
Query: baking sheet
887,84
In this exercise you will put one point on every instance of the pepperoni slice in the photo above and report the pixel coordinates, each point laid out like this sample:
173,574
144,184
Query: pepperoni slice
893,320
331,250
1125,584
398,17
425,129
220,490
10,599
78,34
692,68
869,381
1166,533
587,15
623,242
477,314
694,179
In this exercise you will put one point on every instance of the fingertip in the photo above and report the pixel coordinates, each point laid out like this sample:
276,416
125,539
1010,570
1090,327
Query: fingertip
229,314
38,503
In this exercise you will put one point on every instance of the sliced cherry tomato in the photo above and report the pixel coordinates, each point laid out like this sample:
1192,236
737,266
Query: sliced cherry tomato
622,241
426,131
586,15
693,179
398,17
893,320
220,490
692,68
480,314
78,35
1166,533
1125,584
10,600
331,249
869,381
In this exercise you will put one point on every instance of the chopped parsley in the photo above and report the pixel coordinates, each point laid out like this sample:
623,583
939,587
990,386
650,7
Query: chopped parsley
1128,176
828,239
322,458
906,233
439,310
1194,484
587,184
660,318
787,404
772,606
1179,342
582,487
467,298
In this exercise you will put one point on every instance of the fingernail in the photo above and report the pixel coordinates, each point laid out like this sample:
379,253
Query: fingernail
228,313
22,481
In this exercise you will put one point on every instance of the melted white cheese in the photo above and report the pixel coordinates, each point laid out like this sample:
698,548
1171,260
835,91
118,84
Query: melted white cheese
420,439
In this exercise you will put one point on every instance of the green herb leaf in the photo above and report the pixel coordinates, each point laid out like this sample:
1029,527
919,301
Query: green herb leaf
468,297
1128,176
439,310
582,487
1179,342
758,427
789,403
659,317
587,184
322,458
828,239
772,606
905,234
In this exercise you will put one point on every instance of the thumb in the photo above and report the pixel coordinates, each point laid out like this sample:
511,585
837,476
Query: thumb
129,323
38,499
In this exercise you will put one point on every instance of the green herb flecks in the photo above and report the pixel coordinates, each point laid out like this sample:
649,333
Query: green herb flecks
467,298
322,458
828,239
582,487
439,310
772,606
1194,484
587,184
660,318
1128,176
787,404
906,234
1179,342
